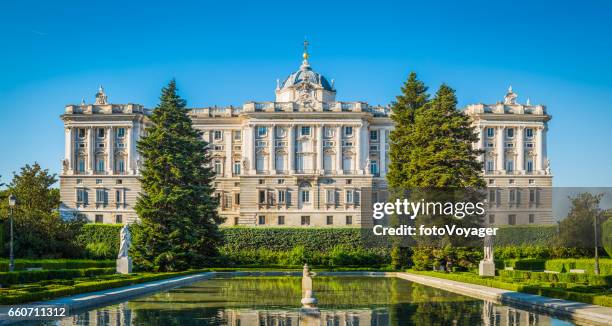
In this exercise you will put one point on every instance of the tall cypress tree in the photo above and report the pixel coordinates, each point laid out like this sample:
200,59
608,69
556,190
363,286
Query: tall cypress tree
178,213
414,96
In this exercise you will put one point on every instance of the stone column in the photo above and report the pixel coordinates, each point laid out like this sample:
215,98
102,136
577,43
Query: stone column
272,150
520,149
253,150
291,147
539,162
501,164
129,151
339,149
383,152
483,142
110,151
358,151
69,149
320,168
91,143
228,153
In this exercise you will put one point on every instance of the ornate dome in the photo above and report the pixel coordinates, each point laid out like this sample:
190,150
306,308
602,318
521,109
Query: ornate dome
307,74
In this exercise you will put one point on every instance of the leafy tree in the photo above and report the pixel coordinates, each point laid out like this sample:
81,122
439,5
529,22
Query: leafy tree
606,234
39,231
177,210
577,229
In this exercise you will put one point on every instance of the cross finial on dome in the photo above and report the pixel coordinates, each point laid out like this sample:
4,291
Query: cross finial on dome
305,64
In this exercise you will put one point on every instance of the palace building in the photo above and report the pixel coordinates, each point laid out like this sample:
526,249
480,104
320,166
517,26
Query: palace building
305,159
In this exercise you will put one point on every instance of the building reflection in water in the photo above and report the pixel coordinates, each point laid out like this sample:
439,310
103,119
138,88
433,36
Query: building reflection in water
422,306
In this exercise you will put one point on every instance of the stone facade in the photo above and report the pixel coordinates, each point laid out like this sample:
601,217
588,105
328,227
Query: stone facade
305,159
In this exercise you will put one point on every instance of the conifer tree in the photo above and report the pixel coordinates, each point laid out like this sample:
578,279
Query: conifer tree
177,210
414,96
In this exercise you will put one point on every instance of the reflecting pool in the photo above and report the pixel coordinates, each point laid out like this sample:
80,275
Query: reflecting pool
275,301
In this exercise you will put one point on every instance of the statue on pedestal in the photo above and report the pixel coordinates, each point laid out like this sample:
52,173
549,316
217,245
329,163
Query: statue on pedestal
487,265
124,262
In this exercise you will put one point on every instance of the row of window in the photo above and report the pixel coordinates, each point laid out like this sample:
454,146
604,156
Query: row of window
514,196
82,195
262,131
100,164
304,220
283,196
490,165
280,165
510,132
511,219
100,132
99,218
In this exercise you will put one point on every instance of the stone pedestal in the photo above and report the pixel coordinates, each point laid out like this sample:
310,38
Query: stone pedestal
124,265
486,268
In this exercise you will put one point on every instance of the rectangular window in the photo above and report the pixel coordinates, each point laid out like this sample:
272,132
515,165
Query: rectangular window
81,165
280,163
281,220
509,132
491,219
348,131
374,167
512,196
330,220
328,132
218,168
531,218
237,135
237,167
305,220
305,196
261,131
81,133
349,197
512,219
118,196
262,197
121,132
118,219
217,135
373,134
260,163
101,132
492,196
349,220
374,148
529,166
99,218
327,162
529,132
101,196
237,199
262,220
510,166
490,132
281,196
490,166
330,196
532,196
100,165
305,131
81,196
347,163
236,220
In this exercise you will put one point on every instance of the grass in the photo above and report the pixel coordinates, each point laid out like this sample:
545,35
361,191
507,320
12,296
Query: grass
593,294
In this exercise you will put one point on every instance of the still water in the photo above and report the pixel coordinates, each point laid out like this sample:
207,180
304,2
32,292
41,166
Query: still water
275,301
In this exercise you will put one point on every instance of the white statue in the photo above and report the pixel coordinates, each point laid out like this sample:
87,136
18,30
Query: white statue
308,298
101,98
488,248
126,241
510,98
547,168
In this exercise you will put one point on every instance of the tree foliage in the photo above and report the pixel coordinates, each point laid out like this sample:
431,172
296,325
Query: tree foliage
577,230
178,213
39,231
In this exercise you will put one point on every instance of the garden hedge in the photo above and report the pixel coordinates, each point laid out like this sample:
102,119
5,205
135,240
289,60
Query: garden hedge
101,241
587,264
20,277
21,264
576,278
530,235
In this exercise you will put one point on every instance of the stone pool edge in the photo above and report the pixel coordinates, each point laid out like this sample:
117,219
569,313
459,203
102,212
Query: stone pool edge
575,311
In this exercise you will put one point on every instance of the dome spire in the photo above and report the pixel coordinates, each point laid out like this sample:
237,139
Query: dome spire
305,64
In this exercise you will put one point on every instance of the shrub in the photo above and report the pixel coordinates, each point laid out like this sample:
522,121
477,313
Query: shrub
101,241
9,278
588,265
526,235
21,264
575,278
606,236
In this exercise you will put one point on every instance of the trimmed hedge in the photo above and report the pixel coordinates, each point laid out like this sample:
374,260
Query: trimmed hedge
101,241
543,289
588,265
576,278
522,264
21,264
530,235
21,277
39,293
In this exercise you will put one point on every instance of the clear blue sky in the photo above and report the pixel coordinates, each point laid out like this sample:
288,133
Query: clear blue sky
223,52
